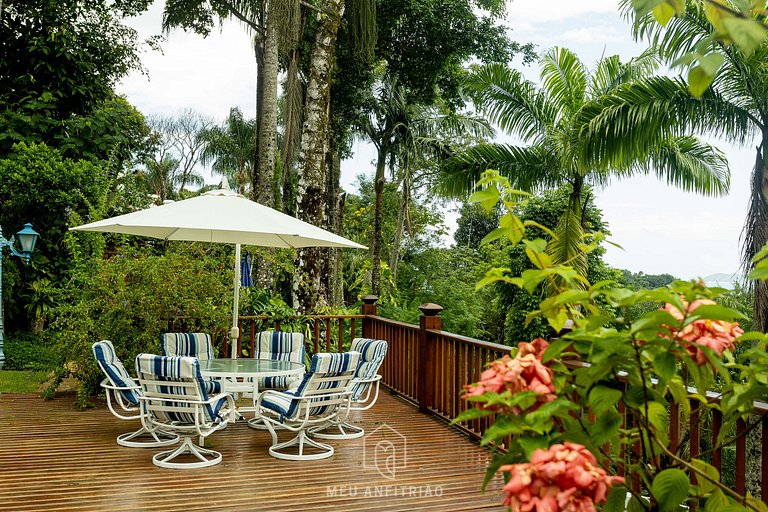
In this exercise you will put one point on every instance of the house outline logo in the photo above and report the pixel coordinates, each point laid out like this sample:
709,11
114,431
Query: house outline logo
385,450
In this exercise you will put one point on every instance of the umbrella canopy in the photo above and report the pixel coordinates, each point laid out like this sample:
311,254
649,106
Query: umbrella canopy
226,217
221,216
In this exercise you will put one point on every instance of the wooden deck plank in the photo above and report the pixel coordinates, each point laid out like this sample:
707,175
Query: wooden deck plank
54,458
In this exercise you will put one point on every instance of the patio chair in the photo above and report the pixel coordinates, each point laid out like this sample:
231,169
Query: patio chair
175,399
364,390
316,400
190,344
123,394
279,346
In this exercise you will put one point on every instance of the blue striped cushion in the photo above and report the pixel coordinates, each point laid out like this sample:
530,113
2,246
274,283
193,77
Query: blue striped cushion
113,368
176,369
192,344
323,365
279,346
372,353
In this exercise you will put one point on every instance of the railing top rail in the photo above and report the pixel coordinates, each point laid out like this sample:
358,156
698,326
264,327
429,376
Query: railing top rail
265,317
472,341
712,396
393,322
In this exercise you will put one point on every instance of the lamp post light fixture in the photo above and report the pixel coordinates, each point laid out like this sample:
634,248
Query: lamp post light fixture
27,239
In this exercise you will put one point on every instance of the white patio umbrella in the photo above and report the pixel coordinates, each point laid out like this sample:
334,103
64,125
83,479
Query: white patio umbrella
226,217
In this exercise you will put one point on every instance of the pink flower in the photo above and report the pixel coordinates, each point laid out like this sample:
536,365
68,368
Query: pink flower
565,477
524,372
718,335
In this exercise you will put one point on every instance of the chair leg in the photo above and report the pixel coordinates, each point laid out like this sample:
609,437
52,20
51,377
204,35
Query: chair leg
301,440
207,457
144,438
337,430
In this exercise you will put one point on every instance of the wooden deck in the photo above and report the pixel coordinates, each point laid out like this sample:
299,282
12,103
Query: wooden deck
55,458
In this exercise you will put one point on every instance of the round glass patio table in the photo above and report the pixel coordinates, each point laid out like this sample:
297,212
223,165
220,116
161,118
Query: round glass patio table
242,375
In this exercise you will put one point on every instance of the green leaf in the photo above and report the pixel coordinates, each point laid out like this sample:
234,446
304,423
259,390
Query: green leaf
716,502
487,197
678,6
663,13
531,444
495,235
710,471
670,489
643,7
471,414
711,62
699,81
717,312
540,259
665,365
617,499
748,34
602,398
757,504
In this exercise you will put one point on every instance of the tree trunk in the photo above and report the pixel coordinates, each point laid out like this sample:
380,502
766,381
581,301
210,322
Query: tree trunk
394,255
334,179
311,196
756,234
291,136
265,172
378,187
258,49
261,188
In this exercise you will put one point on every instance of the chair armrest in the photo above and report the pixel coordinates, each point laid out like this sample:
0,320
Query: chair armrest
106,384
358,380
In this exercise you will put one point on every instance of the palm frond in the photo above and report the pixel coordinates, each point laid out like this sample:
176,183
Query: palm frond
527,168
510,101
565,248
564,79
644,113
688,164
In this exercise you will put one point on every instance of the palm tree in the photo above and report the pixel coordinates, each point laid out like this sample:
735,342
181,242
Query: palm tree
230,149
403,132
736,108
160,177
564,124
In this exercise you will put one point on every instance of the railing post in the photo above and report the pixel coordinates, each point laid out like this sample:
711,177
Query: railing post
369,308
426,361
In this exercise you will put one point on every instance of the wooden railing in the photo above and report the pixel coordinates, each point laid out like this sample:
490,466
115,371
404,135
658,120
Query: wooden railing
429,367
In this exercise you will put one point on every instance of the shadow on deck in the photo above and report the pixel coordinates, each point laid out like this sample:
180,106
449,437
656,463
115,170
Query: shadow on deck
55,458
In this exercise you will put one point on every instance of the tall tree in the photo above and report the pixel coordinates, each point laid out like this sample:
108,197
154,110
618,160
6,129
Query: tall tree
736,108
179,136
402,133
311,190
230,148
557,121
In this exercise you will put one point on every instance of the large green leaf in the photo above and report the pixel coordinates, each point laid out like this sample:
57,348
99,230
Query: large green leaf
670,489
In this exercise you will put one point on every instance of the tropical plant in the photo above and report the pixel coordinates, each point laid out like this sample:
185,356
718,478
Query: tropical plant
403,132
558,120
742,24
230,149
734,108
559,407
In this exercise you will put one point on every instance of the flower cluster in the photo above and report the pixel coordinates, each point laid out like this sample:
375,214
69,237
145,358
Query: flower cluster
524,372
718,335
565,477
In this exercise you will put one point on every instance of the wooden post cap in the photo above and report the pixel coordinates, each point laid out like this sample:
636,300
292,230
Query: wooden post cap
370,299
430,309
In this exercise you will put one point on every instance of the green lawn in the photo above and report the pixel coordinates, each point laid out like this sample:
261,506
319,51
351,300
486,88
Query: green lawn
21,381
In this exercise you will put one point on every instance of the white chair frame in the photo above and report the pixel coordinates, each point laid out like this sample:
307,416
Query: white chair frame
155,401
340,427
338,398
128,411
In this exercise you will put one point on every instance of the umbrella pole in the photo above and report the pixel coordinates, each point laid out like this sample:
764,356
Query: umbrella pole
234,333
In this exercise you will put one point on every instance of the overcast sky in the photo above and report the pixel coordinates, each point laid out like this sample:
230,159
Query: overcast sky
661,230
